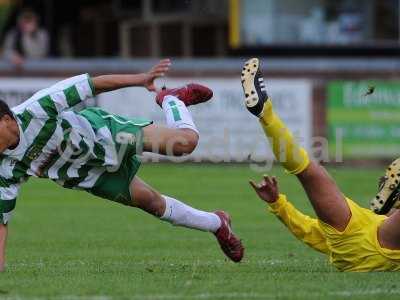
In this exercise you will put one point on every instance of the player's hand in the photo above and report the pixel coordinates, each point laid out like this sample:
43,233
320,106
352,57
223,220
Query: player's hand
159,70
267,189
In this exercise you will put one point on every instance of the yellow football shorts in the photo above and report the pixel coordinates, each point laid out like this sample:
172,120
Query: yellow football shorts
357,248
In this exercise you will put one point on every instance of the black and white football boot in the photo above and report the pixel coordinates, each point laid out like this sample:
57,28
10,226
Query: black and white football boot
254,88
388,196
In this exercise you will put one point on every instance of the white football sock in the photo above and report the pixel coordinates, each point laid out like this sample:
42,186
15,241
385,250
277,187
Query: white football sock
180,214
177,114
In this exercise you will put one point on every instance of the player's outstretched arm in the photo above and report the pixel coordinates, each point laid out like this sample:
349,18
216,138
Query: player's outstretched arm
106,83
3,238
301,226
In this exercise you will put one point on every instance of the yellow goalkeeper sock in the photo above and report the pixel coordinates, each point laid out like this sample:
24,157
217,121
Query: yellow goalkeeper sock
293,157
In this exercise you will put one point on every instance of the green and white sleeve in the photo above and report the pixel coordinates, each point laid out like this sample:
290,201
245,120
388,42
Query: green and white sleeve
59,97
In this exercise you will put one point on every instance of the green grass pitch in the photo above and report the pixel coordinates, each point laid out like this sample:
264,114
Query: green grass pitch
69,245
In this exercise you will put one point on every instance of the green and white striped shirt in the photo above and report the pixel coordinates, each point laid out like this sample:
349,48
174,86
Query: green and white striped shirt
55,143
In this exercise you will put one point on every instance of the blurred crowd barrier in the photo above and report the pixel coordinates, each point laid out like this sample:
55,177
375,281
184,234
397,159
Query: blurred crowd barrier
338,108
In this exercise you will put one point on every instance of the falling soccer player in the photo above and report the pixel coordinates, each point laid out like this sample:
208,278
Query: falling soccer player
354,238
96,151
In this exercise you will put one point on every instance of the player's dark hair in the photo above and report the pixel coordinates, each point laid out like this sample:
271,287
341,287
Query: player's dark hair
5,110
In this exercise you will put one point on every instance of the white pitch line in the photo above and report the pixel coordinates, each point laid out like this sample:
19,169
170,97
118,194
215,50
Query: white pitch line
216,296
366,292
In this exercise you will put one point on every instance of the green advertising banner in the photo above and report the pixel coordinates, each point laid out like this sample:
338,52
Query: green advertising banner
364,118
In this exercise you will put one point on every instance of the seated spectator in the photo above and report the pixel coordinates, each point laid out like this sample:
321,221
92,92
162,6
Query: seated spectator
26,40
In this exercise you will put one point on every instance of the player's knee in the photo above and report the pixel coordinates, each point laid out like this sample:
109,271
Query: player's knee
191,144
186,143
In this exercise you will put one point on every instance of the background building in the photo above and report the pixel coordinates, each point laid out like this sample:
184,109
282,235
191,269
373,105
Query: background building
320,52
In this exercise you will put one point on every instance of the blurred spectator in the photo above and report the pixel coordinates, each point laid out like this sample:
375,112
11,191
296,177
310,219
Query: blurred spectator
26,40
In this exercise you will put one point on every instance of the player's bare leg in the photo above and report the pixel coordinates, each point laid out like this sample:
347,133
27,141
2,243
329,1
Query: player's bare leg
327,200
169,141
181,135
180,214
389,232
179,138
